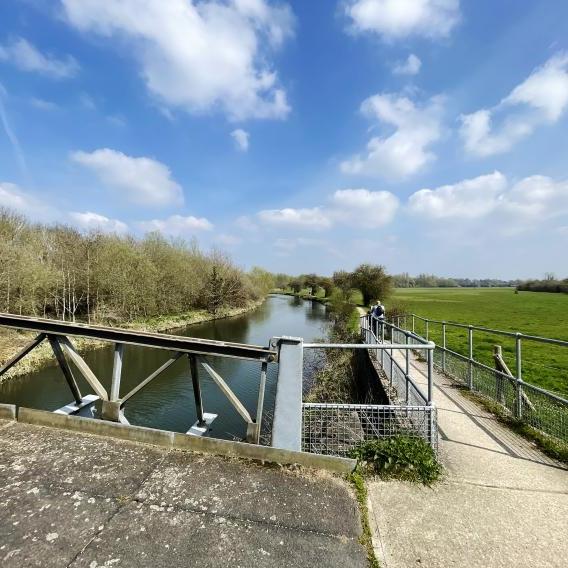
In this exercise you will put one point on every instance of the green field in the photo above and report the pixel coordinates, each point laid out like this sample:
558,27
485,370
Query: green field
534,313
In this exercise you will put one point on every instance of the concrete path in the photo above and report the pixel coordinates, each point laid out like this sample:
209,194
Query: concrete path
70,500
502,503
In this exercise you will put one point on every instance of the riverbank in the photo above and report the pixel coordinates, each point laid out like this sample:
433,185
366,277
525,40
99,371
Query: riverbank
11,341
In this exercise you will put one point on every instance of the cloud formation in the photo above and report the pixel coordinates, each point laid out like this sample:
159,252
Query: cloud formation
407,150
540,99
95,222
351,207
241,139
177,225
23,55
410,66
143,181
397,19
533,200
199,56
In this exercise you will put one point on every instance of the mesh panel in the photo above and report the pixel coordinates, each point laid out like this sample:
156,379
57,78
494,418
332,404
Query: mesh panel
335,429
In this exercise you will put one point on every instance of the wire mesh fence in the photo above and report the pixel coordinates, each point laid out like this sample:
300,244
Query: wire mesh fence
335,429
534,406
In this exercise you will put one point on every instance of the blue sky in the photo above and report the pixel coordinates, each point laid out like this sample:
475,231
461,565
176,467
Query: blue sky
426,135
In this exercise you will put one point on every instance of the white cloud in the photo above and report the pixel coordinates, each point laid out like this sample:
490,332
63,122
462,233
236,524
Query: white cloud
143,180
364,208
411,66
529,202
354,207
395,19
287,246
14,197
199,56
93,221
241,138
315,218
26,57
177,225
541,99
467,199
407,150
228,240
538,198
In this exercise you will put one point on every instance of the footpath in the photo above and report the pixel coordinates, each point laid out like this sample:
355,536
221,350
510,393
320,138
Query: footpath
502,503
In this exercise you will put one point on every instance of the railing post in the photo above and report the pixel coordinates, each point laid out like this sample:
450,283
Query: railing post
260,404
196,389
407,366
444,346
287,421
518,358
111,408
430,360
470,366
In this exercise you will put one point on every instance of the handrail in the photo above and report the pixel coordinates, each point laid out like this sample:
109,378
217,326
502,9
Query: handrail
484,329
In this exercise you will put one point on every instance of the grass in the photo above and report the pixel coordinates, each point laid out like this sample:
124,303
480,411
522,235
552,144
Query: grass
400,457
365,539
533,313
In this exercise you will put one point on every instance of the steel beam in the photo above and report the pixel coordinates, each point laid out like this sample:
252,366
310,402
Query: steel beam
19,356
144,339
65,368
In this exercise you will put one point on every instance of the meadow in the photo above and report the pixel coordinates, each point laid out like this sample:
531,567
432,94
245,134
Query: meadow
533,313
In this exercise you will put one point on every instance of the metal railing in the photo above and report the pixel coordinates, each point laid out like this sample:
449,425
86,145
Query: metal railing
533,405
335,429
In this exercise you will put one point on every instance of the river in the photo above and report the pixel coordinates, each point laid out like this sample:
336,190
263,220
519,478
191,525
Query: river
167,402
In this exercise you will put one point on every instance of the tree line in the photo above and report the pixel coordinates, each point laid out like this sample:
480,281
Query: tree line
404,280
59,272
549,284
371,280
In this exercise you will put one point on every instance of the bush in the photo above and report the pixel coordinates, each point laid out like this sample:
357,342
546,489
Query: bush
400,457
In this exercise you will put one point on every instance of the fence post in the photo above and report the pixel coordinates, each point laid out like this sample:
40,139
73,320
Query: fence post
444,346
412,323
427,329
518,358
470,366
430,360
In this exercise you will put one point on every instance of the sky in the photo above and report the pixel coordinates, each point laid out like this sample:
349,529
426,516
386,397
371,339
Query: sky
300,136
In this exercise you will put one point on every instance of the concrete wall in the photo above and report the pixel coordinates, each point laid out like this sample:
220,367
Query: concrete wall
174,440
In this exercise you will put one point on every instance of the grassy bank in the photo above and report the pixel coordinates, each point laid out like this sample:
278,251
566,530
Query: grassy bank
11,341
532,313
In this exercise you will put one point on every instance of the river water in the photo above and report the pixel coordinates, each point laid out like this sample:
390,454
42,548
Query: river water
167,402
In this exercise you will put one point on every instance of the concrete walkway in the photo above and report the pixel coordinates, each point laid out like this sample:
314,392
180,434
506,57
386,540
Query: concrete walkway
70,500
501,504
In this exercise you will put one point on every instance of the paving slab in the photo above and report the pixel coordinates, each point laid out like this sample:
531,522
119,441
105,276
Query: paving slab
250,491
39,528
73,499
84,463
502,502
152,535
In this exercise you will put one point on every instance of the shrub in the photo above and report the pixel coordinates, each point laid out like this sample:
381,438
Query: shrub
399,457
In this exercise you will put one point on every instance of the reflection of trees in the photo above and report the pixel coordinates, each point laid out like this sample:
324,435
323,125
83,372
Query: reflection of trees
315,310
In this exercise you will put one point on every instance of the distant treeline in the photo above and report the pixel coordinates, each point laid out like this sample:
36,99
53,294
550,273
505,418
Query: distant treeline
432,281
59,272
546,285
370,280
